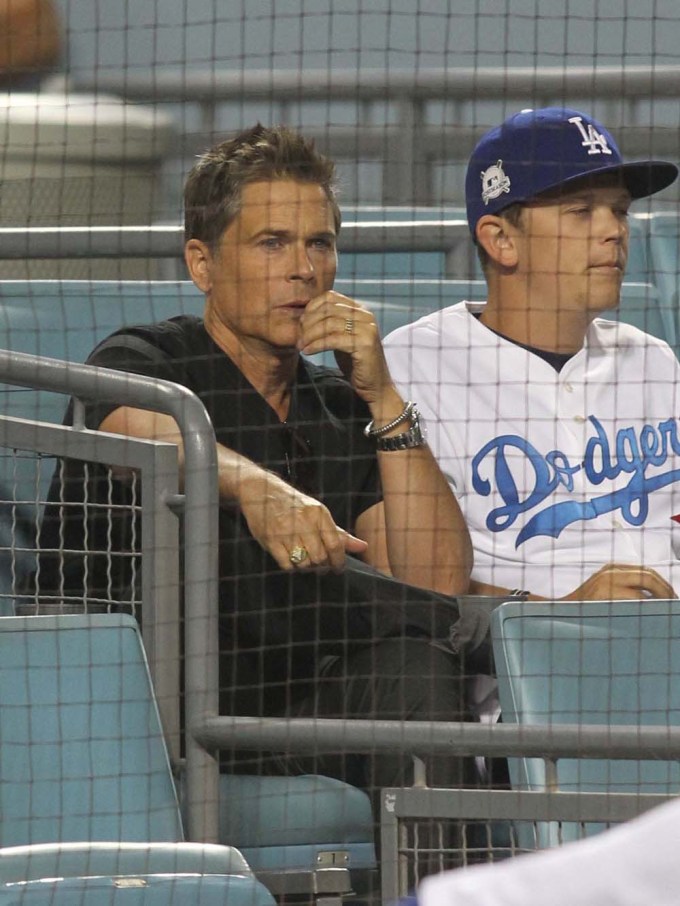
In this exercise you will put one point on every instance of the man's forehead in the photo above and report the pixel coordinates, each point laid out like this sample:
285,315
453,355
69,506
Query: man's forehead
271,192
284,205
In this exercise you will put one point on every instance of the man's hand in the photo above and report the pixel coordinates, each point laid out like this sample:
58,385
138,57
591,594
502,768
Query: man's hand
283,519
333,321
621,581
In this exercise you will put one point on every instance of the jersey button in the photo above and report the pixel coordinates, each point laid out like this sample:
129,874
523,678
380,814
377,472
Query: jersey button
580,418
569,387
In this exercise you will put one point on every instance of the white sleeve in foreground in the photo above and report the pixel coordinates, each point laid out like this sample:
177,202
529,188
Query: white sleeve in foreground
633,864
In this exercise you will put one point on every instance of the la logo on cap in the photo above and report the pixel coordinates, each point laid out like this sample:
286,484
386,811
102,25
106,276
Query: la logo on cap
494,182
593,140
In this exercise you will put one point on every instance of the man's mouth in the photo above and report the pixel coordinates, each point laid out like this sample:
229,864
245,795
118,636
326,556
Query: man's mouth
607,267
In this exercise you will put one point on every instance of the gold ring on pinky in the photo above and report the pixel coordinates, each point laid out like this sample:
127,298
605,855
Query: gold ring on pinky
349,325
298,555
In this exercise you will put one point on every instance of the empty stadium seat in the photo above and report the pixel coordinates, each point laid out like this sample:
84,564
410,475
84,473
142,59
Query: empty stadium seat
281,823
590,663
86,789
664,255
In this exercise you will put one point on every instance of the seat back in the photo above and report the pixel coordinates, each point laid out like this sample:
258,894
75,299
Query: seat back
82,754
664,257
643,306
65,319
590,663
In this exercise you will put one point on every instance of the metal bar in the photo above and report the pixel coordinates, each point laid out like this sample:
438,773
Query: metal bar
389,847
160,593
401,164
168,241
201,551
518,805
401,806
523,82
422,737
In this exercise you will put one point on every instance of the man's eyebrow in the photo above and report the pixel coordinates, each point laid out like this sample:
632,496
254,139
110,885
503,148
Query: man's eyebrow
324,234
270,231
286,234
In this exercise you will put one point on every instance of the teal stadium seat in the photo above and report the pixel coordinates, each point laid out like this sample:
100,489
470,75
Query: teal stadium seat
664,259
65,319
639,267
590,663
83,758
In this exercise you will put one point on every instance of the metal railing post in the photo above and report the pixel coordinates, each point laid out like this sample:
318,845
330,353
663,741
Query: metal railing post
200,548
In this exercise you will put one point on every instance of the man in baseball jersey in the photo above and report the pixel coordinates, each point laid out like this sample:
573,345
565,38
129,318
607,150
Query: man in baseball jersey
557,429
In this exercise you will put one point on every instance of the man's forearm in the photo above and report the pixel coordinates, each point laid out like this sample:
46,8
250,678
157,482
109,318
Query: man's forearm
234,470
427,540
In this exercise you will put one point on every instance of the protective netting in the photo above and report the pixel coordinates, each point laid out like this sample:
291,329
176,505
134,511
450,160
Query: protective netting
558,433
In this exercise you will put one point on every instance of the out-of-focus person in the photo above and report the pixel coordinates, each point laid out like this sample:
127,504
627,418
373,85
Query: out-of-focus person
30,42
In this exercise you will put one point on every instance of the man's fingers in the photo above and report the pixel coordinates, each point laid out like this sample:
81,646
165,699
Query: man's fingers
354,545
655,586
333,320
623,581
630,582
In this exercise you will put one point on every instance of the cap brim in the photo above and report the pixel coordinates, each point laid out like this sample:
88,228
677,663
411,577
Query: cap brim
641,178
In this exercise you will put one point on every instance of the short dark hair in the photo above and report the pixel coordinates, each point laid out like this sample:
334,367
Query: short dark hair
213,188
513,214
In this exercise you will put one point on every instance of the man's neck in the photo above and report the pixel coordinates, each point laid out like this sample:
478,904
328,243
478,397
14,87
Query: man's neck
553,331
270,372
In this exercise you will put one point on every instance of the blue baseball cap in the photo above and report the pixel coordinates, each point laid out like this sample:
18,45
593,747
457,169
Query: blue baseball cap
537,150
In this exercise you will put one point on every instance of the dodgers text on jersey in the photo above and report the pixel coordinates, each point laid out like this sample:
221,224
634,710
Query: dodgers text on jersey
525,479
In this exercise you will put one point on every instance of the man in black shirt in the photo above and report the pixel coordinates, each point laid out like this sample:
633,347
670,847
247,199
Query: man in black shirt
340,540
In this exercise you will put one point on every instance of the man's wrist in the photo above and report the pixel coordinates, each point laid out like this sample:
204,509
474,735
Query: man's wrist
375,430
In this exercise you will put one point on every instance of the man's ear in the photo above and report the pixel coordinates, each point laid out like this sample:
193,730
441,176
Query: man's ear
499,244
199,261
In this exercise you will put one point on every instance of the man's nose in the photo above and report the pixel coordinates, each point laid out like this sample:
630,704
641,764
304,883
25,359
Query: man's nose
302,266
614,226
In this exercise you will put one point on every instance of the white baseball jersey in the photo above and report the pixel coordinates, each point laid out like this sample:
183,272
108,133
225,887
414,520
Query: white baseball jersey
557,474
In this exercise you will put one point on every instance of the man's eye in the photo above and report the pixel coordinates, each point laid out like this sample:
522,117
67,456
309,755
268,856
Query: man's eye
324,244
271,242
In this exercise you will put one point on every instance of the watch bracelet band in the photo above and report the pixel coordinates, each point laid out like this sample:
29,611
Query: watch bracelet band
406,441
405,415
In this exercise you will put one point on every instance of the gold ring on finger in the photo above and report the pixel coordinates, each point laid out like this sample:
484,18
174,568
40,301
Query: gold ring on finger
349,325
298,555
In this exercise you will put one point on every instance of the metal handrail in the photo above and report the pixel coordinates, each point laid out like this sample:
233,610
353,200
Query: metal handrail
455,83
200,535
168,241
553,741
